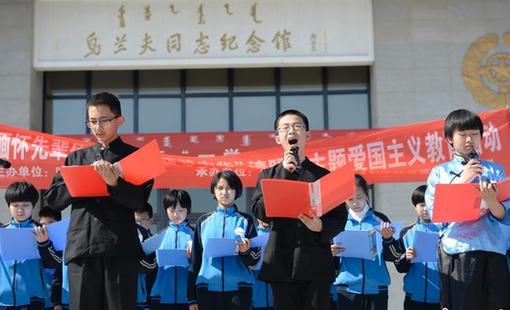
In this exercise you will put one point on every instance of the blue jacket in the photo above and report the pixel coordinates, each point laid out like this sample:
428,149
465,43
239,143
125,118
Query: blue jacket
262,295
21,280
483,234
363,276
421,282
147,268
221,274
170,286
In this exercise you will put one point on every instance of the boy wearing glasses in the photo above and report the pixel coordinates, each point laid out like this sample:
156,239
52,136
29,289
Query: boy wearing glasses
103,249
297,259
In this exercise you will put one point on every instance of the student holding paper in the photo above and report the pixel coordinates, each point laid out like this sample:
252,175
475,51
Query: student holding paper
148,266
297,259
49,216
217,283
262,296
103,249
170,287
362,283
471,254
421,282
22,282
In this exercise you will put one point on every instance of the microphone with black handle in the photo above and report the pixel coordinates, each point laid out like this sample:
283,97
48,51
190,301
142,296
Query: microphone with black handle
471,155
295,152
5,164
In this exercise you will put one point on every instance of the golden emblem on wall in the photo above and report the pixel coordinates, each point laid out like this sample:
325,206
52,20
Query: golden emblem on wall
486,70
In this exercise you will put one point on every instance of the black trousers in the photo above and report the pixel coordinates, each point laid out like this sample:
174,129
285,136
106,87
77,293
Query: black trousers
473,280
235,300
300,295
351,301
103,283
414,305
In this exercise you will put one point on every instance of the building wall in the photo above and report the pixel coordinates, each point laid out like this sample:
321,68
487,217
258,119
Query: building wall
417,75
20,85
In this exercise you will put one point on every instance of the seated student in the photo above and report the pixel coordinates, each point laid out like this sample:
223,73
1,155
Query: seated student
472,263
362,283
49,216
170,287
148,266
222,282
421,282
22,282
262,295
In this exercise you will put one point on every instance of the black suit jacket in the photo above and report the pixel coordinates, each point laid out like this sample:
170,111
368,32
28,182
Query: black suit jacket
101,225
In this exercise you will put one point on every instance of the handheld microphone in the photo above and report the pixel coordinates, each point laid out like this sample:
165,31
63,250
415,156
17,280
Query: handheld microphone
5,163
239,231
295,152
471,155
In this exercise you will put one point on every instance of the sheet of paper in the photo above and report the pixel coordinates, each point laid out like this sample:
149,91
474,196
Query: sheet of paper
58,233
357,243
171,258
425,245
18,244
220,247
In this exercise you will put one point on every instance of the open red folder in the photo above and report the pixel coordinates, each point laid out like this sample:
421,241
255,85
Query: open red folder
287,198
461,202
137,168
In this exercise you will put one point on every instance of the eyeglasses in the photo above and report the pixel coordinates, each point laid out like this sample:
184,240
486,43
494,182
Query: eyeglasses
296,126
103,122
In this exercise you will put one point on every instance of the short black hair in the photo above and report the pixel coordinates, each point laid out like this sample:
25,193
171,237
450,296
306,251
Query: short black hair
418,195
291,112
106,99
49,212
147,207
232,179
462,119
360,181
20,192
175,196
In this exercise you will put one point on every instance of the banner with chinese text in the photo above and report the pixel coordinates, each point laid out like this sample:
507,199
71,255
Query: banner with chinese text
157,34
398,154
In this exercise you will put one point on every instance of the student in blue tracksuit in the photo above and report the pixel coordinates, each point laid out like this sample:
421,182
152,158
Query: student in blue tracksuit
262,295
421,282
223,282
148,266
472,260
22,282
52,259
170,288
362,283
49,216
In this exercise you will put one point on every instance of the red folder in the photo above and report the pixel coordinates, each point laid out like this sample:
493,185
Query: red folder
83,181
504,190
461,202
137,168
287,198
143,165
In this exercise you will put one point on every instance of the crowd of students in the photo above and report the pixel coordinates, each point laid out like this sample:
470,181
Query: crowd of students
300,264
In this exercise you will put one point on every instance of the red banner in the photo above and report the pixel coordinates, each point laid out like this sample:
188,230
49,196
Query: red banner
398,154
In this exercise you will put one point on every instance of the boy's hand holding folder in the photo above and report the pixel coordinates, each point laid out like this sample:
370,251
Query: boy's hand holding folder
137,168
